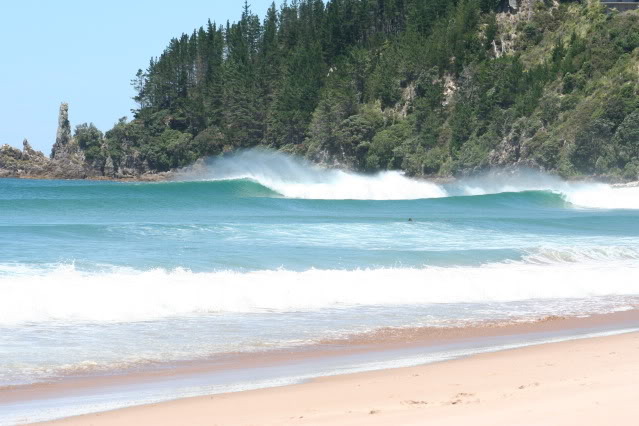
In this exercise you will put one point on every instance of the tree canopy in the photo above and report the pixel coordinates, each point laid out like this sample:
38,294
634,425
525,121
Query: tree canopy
427,86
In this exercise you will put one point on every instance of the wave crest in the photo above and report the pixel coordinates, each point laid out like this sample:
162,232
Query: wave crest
292,177
296,178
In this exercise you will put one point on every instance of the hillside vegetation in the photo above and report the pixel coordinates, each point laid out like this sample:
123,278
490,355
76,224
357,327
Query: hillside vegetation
432,87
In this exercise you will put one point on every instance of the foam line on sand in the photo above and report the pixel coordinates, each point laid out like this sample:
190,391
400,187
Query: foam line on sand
587,382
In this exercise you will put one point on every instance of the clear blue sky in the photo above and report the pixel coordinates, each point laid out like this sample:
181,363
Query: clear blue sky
86,53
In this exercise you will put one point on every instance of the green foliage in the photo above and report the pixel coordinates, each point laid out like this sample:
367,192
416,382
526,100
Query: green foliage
387,148
626,140
384,83
592,152
624,32
426,86
89,138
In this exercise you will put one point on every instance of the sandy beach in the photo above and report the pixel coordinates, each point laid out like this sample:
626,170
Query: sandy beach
591,381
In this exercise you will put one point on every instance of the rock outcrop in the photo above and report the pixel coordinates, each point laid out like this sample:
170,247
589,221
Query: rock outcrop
68,160
63,135
25,163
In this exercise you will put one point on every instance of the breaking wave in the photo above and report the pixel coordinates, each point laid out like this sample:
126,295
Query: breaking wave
292,177
68,295
295,178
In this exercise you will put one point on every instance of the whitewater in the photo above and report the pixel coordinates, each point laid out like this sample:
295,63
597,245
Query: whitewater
259,251
295,178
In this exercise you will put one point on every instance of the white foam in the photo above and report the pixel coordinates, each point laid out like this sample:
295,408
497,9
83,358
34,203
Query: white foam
580,194
293,177
296,178
342,185
70,295
603,196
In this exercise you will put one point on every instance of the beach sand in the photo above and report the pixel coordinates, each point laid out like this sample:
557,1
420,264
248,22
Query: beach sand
592,381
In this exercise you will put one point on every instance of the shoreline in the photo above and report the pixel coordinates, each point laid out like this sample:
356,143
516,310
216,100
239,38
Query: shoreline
382,350
171,175
153,177
583,381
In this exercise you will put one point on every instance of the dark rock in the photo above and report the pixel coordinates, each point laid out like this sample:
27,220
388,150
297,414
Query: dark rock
63,135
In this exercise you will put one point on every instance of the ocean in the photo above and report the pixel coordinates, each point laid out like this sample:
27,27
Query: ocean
261,251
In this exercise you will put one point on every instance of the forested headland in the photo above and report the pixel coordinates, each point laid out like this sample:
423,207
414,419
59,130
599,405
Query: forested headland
431,87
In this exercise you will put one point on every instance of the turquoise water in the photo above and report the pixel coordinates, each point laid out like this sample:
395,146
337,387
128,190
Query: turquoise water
261,251
243,226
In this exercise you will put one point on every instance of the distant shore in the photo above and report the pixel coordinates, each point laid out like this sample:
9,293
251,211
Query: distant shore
153,177
175,174
588,382
30,164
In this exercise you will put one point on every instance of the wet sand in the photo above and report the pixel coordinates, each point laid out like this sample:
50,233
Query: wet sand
591,381
365,345
384,344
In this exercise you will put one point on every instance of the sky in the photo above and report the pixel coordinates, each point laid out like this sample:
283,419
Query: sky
86,53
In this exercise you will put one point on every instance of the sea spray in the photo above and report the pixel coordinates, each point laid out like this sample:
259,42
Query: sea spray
293,177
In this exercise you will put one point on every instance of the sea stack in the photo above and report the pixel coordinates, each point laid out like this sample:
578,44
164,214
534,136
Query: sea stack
63,135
